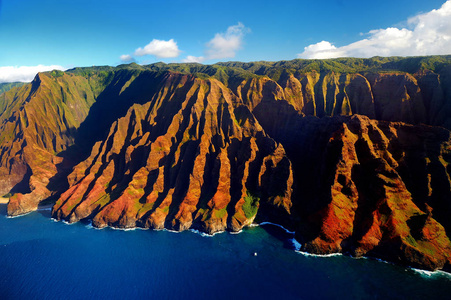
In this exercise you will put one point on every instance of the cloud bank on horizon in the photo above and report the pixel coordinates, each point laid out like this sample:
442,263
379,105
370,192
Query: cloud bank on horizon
24,73
429,34
222,45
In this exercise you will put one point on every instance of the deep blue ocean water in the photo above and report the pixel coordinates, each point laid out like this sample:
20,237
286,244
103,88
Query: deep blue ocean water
44,259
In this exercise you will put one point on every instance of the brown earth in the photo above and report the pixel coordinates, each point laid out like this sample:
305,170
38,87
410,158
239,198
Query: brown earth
342,159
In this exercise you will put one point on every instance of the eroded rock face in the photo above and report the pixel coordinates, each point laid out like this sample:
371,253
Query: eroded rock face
198,160
37,123
367,187
368,201
157,148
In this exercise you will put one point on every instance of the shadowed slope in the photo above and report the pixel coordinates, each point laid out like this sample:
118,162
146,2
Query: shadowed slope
181,160
218,147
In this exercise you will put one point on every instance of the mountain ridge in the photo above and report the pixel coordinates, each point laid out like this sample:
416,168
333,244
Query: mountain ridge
344,159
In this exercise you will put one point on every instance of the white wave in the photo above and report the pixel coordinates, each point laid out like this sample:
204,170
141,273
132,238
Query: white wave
68,223
203,234
422,272
269,223
318,255
236,232
428,274
443,273
170,230
297,246
121,229
22,215
165,229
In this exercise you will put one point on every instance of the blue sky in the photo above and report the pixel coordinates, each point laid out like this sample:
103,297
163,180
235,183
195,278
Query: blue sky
45,34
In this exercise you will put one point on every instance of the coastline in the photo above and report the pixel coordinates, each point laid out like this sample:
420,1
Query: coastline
4,200
296,245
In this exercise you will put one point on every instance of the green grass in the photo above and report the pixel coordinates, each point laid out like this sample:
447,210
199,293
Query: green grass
4,87
135,192
72,206
103,200
143,208
56,73
250,206
219,214
411,240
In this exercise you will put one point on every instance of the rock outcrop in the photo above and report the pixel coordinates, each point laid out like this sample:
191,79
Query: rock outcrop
353,155
368,188
37,123
192,157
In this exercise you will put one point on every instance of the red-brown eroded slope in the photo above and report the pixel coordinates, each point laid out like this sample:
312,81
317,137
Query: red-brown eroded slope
39,121
179,151
192,157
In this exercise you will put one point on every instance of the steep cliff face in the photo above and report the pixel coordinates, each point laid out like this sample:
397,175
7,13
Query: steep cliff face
45,129
394,96
191,157
337,155
37,123
371,190
367,187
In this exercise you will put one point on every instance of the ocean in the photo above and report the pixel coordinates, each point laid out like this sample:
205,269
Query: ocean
44,259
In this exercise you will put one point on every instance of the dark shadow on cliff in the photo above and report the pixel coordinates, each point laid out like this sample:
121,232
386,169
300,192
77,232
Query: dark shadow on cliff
113,103
24,185
305,140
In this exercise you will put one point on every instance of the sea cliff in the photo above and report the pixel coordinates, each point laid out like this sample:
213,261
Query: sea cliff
351,154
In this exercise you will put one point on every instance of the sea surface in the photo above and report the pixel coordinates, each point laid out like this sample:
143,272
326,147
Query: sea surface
44,259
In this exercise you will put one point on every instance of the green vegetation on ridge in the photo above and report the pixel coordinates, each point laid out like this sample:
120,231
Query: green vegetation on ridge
223,71
250,206
4,87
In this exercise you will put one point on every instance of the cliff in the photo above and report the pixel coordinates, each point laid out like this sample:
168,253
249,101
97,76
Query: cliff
191,157
351,154
38,121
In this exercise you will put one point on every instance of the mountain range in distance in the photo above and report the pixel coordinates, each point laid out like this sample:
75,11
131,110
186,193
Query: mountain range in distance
6,86
353,155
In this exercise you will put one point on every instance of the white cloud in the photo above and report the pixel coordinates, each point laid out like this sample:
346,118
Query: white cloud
191,59
223,45
126,58
24,73
160,49
319,50
428,34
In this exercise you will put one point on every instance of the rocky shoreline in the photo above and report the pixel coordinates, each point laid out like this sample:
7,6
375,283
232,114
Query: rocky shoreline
355,161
